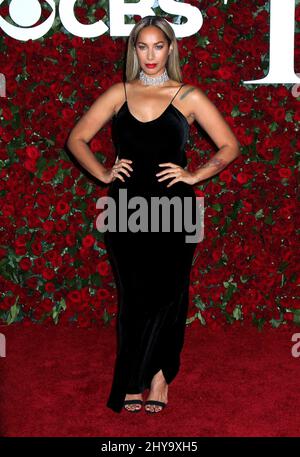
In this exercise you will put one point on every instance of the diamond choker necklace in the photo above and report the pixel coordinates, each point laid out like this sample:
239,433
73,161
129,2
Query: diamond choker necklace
156,80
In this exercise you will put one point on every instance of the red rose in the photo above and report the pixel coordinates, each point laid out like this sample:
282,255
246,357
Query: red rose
32,152
242,177
88,241
48,273
62,207
284,172
25,264
226,176
103,268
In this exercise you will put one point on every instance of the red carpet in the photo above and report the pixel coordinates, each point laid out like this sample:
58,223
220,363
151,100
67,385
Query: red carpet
232,382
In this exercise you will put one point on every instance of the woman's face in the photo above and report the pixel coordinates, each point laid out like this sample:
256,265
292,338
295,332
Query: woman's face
152,48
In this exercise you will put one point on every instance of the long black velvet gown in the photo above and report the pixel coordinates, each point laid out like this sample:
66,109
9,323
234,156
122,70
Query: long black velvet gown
152,269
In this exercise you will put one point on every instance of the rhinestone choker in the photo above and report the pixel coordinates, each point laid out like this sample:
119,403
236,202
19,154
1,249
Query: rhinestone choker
153,81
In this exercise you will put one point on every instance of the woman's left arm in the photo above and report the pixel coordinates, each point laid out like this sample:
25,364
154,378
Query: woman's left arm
211,120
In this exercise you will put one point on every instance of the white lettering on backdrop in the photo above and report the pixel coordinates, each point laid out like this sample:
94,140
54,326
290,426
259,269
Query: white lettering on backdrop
2,85
282,27
282,44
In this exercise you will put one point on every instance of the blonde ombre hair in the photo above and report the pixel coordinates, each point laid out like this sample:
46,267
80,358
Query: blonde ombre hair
132,64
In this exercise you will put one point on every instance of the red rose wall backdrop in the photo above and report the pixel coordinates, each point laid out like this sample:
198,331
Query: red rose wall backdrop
53,261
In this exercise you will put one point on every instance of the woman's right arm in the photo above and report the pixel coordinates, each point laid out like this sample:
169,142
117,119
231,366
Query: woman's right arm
100,112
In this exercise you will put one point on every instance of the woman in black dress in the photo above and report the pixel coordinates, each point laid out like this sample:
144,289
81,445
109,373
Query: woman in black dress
151,114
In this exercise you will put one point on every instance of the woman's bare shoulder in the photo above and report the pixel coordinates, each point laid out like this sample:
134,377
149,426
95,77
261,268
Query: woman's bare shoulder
113,94
116,88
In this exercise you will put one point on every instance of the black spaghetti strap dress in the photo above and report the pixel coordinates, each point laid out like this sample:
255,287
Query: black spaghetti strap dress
152,269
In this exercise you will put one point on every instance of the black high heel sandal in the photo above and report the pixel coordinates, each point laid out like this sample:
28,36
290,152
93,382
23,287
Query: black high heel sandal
128,402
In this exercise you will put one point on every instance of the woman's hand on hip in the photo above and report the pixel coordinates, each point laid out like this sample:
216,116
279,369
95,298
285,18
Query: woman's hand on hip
120,166
176,172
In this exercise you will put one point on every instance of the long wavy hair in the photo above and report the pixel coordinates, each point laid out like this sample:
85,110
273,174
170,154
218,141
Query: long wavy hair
132,64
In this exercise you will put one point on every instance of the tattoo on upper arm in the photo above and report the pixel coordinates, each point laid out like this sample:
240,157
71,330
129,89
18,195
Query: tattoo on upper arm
190,89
